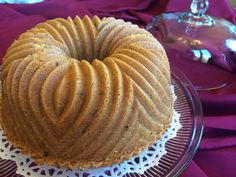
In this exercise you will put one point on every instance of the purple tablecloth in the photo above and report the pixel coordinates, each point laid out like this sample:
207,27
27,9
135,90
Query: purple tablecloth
216,156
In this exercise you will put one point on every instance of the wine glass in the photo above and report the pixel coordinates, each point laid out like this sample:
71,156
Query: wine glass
194,36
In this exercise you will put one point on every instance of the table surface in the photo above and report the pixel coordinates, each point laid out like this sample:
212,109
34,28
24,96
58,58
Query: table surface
216,156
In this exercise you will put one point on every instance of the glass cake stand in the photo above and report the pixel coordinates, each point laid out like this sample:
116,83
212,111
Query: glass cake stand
180,150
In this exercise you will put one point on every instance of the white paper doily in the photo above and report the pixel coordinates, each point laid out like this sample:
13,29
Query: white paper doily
139,164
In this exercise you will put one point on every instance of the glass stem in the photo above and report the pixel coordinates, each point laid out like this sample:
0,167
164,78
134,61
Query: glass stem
197,15
199,7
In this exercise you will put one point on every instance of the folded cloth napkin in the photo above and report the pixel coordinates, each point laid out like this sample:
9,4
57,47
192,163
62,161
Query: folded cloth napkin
216,156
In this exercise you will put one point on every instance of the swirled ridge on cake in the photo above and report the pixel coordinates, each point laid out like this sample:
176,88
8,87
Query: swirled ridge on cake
85,92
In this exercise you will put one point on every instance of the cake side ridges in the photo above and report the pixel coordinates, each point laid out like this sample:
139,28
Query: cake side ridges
86,110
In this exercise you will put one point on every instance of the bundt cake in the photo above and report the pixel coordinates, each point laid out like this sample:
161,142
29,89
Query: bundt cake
83,93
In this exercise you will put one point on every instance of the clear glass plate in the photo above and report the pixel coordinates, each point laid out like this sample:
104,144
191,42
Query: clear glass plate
180,150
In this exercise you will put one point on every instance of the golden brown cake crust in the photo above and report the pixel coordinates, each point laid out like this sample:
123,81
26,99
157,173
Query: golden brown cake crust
81,164
83,93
